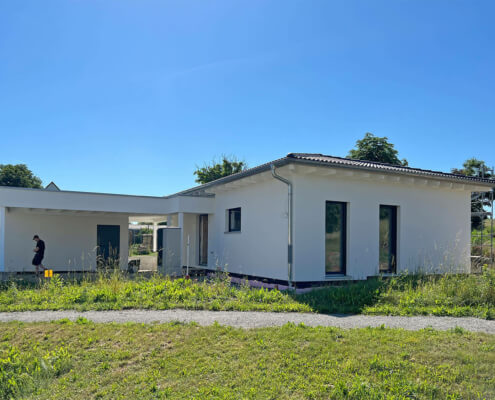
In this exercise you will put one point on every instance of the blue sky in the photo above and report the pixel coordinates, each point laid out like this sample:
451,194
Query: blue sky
129,96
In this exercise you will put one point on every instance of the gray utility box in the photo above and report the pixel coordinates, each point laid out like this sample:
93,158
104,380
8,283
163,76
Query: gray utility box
168,243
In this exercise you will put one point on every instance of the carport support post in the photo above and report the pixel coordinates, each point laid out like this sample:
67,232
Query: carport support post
155,227
2,239
182,241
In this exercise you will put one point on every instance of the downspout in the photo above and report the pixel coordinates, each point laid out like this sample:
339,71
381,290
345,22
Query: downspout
289,236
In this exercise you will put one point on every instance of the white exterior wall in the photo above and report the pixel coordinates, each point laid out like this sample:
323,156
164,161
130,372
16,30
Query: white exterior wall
2,239
190,228
260,249
433,225
70,239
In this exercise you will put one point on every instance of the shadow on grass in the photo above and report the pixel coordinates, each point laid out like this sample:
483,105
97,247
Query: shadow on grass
350,298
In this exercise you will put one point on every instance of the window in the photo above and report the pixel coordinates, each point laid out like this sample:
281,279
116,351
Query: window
234,215
388,239
203,239
335,237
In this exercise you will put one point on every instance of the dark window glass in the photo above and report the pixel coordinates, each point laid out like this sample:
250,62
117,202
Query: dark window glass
203,239
235,219
335,237
388,239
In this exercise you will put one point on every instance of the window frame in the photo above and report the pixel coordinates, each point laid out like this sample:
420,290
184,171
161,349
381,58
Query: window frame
230,213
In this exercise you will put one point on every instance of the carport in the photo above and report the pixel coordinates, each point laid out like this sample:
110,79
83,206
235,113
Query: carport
79,228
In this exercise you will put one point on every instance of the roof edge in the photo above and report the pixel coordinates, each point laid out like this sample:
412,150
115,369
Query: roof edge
56,192
293,158
460,179
239,175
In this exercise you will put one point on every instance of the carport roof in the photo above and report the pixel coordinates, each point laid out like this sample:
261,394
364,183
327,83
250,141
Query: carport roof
42,199
46,200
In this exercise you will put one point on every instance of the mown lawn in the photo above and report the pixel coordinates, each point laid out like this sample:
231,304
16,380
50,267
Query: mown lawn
452,295
83,360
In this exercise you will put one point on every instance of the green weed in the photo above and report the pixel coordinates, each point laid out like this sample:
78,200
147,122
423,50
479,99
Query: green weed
26,371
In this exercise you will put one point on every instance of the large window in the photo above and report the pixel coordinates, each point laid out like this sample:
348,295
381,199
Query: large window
335,237
234,216
388,239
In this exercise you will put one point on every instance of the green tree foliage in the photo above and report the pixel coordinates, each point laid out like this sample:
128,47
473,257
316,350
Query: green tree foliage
477,168
215,170
18,175
473,167
374,148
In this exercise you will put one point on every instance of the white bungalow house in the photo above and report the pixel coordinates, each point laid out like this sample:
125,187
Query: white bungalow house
302,218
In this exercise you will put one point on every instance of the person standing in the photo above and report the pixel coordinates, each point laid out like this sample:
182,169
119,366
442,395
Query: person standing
40,253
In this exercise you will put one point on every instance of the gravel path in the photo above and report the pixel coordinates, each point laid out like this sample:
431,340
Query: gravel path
257,319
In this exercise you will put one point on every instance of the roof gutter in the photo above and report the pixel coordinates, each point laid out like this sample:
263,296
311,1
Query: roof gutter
289,236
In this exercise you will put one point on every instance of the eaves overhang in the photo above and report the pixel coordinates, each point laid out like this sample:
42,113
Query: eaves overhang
344,163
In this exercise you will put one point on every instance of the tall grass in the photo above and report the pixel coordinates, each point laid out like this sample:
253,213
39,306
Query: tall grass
449,294
114,291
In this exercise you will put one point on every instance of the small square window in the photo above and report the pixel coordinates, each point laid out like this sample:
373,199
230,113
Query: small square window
234,219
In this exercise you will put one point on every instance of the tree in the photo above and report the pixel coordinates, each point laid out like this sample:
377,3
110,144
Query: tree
18,175
477,168
215,170
374,148
473,167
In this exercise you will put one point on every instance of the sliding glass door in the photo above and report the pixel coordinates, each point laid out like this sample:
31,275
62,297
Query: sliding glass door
388,239
335,237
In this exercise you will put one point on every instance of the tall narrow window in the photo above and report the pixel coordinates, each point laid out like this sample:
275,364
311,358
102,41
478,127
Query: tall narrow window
335,237
234,219
203,239
388,239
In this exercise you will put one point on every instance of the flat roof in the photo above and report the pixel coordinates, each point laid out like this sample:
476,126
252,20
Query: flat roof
14,197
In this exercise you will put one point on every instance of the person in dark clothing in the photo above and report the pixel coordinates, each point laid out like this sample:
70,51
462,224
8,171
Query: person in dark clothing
40,253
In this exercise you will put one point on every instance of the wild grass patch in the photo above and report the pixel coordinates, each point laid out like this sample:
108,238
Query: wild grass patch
442,295
116,292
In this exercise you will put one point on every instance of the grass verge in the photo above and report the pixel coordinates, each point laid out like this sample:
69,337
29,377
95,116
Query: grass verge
116,361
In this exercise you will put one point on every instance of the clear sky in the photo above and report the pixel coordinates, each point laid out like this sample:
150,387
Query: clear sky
129,96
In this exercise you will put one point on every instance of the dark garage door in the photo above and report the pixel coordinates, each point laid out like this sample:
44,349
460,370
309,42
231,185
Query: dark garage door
108,242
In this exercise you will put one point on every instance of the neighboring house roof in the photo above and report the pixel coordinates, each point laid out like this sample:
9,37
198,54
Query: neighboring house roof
52,186
339,162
